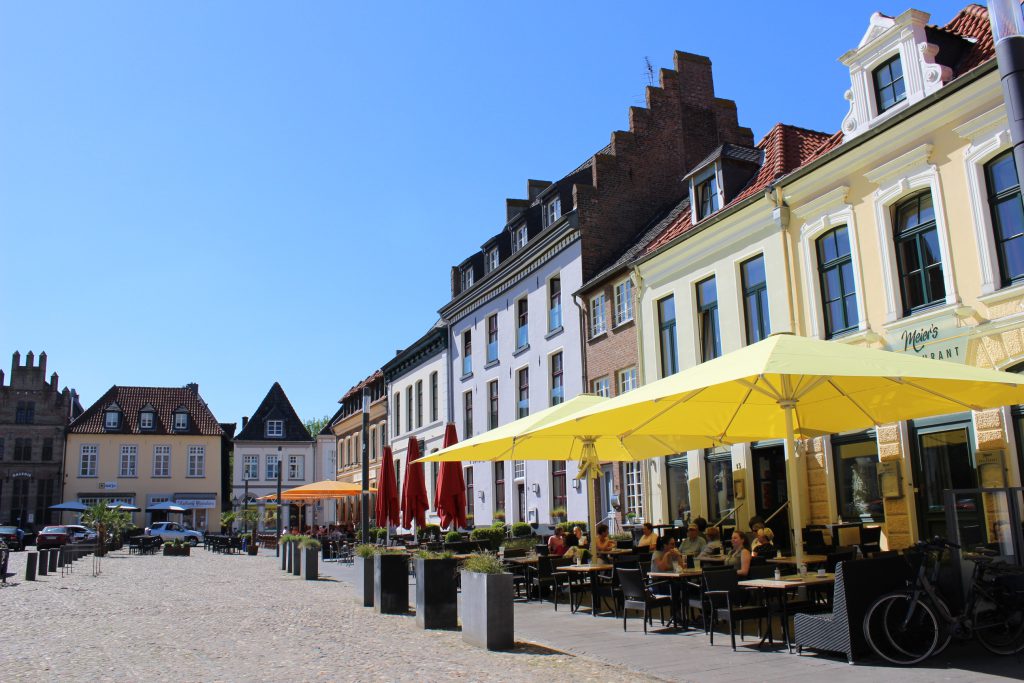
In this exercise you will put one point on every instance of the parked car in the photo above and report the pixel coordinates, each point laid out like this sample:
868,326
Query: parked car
13,537
170,531
81,533
53,537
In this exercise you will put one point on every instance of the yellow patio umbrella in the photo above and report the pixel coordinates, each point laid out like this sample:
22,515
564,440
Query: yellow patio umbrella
786,387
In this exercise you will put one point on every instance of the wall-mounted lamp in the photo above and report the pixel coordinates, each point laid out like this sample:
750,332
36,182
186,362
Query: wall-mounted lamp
480,495
577,484
536,488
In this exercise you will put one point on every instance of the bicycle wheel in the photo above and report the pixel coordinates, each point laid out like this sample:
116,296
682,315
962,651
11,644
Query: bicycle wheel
902,644
1001,628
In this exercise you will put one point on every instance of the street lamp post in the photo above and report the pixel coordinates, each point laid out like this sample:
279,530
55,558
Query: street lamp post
1008,33
280,507
245,506
365,522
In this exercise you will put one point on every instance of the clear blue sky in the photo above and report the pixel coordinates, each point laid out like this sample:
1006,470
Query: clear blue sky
235,193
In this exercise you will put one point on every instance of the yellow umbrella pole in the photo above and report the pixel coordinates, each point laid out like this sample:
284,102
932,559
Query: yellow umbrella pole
590,470
795,508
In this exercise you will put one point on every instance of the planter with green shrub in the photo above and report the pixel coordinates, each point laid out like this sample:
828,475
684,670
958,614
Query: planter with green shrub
363,562
429,532
437,590
296,558
521,529
391,582
452,537
284,544
487,608
311,547
177,547
493,535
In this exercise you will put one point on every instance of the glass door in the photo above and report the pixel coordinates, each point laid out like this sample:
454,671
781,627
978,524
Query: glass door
770,491
945,460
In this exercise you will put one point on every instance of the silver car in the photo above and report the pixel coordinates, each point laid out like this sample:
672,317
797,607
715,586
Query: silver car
170,531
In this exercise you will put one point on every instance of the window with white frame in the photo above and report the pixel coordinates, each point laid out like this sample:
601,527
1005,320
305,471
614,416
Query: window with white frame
522,323
398,413
419,403
492,259
554,303
467,277
180,421
129,461
161,461
601,386
467,352
112,419
492,404
519,236
1007,210
196,461
598,321
557,388
372,443
918,254
88,455
627,380
296,467
519,469
552,210
467,414
408,408
250,467
147,419
433,397
273,464
623,295
888,82
634,488
275,429
523,402
705,193
492,338
383,431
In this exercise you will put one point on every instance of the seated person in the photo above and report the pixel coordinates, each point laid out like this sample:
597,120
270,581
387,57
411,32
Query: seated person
649,539
714,543
556,544
666,555
764,543
702,525
739,556
603,543
756,523
581,540
693,544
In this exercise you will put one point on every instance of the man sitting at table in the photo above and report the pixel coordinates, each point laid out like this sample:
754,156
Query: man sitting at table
666,556
603,543
693,544
714,544
556,544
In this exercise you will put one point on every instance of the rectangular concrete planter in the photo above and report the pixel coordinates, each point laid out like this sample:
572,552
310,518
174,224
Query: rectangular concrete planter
391,584
364,579
437,593
312,568
487,610
296,560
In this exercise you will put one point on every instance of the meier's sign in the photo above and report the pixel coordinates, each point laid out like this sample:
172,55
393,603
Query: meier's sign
940,339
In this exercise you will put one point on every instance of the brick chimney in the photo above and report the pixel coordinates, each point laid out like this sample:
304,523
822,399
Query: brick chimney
42,364
193,387
245,421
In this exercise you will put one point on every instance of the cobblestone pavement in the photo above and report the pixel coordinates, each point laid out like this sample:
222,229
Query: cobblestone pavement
212,617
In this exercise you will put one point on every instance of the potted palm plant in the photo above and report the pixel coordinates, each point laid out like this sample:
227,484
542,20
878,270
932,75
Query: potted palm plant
437,590
391,581
311,547
250,517
363,562
487,609
104,520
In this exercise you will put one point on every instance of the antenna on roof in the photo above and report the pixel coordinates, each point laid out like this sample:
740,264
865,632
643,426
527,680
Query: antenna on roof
650,71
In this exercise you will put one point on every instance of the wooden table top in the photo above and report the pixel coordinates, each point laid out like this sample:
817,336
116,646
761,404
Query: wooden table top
789,582
681,574
525,560
808,559
584,567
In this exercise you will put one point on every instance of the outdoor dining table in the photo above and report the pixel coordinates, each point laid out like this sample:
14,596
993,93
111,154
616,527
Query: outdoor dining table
679,586
808,560
778,588
580,570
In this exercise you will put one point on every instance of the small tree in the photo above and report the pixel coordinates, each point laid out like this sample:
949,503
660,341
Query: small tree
104,520
250,517
227,519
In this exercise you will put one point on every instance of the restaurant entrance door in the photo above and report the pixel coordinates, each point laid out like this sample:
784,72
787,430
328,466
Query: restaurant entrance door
770,491
520,502
945,460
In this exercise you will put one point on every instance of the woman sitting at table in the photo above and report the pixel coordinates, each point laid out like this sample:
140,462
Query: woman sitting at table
739,556
764,543
603,543
649,539
666,555
556,544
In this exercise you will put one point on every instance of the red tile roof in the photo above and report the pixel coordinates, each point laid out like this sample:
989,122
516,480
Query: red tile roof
165,400
378,375
972,23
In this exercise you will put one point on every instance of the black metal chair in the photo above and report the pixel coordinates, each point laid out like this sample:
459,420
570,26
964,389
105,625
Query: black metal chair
544,575
870,540
636,595
832,560
814,541
724,600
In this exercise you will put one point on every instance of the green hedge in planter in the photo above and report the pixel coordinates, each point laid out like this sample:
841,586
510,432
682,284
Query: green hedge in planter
520,529
568,526
452,537
494,535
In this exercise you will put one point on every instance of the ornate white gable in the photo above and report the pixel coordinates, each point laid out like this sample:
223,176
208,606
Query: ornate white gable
885,38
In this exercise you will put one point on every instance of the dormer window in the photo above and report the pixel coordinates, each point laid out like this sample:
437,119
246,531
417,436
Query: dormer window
889,88
180,420
705,192
275,429
112,418
552,211
467,277
147,419
492,259
519,238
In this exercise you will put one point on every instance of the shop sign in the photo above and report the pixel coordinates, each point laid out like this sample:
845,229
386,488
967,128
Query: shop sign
21,475
108,485
202,503
940,339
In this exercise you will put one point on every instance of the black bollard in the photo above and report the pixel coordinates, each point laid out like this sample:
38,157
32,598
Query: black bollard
284,556
44,561
30,566
296,560
291,556
52,566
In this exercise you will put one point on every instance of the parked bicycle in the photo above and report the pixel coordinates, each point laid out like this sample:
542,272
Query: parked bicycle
908,626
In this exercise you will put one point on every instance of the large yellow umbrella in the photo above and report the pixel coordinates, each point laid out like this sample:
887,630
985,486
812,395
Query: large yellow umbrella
783,387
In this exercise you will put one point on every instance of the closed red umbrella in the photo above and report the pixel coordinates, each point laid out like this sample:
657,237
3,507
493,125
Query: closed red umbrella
414,489
387,492
451,487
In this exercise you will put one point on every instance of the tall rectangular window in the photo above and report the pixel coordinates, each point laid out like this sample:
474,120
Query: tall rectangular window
667,336
492,259
492,404
523,404
677,471
522,323
499,487
705,191
296,467
598,322
838,288
467,352
552,211
467,414
1004,201
601,386
557,390
23,449
859,497
398,413
707,319
634,488
196,461
433,397
467,277
623,295
627,380
718,467
273,464
88,455
408,409
25,412
467,475
755,299
889,87
129,461
558,491
419,403
492,338
250,467
161,461
519,469
519,237
47,449
918,255
554,303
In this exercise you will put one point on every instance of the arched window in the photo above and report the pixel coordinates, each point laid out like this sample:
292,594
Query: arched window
1004,201
838,289
917,254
